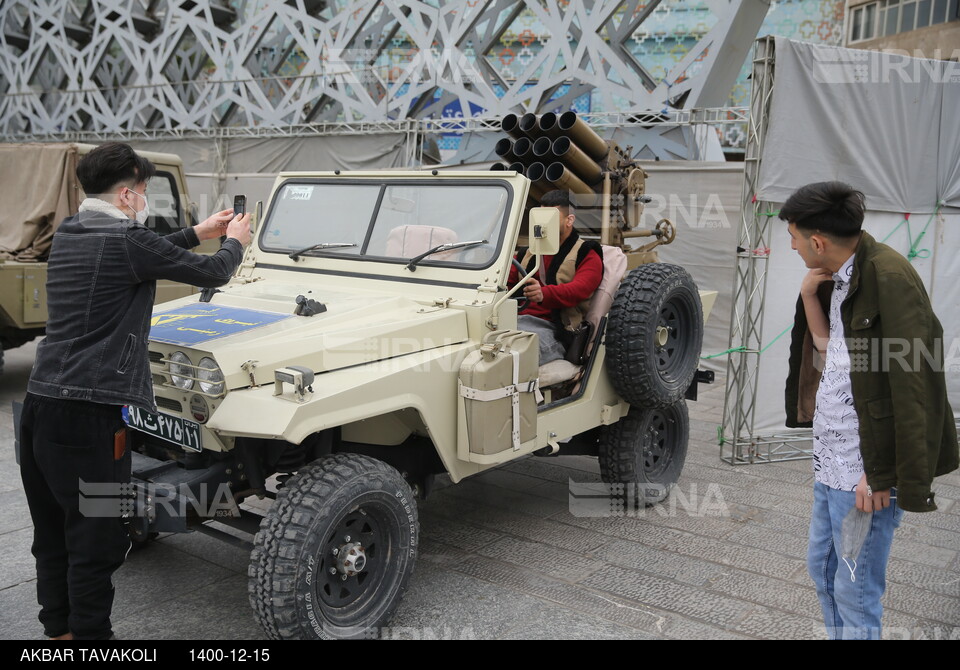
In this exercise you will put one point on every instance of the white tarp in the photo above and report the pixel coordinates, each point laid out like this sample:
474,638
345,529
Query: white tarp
885,123
895,138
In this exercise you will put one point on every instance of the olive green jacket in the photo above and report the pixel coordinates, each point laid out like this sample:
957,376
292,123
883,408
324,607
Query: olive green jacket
907,430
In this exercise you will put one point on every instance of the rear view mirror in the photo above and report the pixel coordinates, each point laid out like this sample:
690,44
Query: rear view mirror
544,236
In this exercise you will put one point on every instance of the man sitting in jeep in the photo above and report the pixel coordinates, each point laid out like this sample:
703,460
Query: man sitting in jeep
558,299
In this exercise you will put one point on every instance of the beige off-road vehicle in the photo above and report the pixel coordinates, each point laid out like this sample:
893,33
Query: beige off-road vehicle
369,344
40,189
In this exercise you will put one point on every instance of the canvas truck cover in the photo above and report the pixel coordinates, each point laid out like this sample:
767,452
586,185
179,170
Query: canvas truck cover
38,189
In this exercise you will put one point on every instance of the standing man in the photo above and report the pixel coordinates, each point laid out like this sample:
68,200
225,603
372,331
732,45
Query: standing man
882,425
101,281
558,300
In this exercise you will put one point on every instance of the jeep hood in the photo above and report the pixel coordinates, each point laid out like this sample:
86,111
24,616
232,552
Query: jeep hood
257,323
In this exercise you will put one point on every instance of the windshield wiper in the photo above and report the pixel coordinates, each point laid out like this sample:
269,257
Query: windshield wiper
323,245
412,265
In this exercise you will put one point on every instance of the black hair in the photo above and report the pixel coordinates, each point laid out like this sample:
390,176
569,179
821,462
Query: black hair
109,165
559,198
830,207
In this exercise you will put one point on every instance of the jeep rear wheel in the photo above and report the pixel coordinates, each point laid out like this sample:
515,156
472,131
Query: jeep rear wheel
654,334
647,448
334,553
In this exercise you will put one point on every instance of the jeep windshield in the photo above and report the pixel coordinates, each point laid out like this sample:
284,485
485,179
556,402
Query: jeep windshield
388,222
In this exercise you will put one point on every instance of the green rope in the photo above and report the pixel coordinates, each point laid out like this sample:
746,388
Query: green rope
721,440
914,252
724,353
785,331
737,350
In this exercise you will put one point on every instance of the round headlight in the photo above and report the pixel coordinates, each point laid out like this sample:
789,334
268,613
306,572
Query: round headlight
181,370
211,377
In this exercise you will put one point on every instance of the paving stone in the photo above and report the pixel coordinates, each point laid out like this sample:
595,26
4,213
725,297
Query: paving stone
210,549
442,604
160,573
683,599
636,556
541,558
937,537
753,535
564,536
762,561
560,623
13,572
906,549
18,615
776,625
455,533
220,609
923,604
767,591
16,513
612,608
934,580
801,492
637,529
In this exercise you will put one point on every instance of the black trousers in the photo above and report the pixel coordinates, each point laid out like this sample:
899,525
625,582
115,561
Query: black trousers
72,482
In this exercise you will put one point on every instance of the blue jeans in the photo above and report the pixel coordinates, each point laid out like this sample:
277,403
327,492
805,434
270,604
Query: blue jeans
849,582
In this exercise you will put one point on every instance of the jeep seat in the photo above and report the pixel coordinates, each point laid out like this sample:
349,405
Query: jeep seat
614,269
413,240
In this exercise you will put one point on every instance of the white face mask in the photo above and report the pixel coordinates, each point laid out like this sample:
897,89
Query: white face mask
142,215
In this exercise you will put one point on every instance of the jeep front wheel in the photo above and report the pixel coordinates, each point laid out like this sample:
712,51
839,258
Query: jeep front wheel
334,553
647,447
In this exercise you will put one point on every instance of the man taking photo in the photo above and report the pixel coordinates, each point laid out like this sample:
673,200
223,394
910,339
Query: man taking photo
101,281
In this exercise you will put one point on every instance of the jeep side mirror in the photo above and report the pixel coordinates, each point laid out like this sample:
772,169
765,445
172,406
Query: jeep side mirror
544,237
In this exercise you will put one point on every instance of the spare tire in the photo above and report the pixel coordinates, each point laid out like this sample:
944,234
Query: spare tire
654,335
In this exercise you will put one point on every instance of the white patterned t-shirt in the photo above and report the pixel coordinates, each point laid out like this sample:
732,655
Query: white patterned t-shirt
837,462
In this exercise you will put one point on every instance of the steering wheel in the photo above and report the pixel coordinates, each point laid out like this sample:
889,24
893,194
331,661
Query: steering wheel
521,301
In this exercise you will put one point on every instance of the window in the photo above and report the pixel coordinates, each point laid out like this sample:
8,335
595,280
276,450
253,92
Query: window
889,17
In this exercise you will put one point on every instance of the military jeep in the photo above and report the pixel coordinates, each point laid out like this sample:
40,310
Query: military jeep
367,345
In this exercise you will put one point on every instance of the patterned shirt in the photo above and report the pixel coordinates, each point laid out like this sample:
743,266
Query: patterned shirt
837,462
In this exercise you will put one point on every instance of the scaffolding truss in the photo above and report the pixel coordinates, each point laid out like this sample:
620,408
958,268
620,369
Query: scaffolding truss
738,442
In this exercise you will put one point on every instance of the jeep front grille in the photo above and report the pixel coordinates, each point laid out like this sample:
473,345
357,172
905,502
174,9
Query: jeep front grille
167,403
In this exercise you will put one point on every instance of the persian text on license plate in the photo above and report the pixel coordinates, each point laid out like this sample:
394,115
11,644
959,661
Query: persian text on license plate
171,428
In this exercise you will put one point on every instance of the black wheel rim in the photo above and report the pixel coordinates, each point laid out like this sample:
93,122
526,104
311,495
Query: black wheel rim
658,445
345,600
675,317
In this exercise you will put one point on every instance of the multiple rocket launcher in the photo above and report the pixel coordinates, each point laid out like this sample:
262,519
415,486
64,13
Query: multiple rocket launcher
607,187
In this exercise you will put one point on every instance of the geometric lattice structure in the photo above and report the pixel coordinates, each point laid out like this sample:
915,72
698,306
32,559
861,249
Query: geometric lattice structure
181,65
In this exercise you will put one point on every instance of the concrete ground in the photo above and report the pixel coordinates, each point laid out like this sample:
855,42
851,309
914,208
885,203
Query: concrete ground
502,557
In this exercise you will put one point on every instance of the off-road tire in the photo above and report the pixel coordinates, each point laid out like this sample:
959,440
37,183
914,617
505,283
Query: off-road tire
642,372
292,592
647,447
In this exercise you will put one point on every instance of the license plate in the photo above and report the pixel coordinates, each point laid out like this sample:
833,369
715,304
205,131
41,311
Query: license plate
171,428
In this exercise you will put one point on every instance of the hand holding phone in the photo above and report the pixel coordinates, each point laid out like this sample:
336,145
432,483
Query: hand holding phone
239,205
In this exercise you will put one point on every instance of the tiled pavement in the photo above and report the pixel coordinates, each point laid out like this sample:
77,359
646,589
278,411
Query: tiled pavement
502,556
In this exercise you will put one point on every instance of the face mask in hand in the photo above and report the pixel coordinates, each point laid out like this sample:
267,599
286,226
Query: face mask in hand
142,215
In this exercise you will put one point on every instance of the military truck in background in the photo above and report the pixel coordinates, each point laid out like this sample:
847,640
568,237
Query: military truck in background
368,343
40,189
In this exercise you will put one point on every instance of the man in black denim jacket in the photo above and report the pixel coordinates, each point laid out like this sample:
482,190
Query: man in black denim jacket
102,274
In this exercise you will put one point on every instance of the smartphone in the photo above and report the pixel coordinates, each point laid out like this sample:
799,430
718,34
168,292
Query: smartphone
239,205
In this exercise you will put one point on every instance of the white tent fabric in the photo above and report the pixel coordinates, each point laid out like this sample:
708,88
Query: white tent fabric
896,139
874,120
